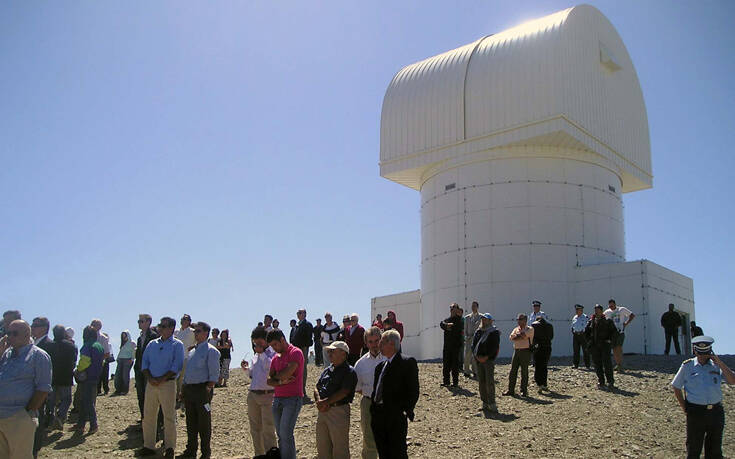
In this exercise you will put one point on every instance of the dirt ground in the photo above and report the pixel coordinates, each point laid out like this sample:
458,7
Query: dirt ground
640,419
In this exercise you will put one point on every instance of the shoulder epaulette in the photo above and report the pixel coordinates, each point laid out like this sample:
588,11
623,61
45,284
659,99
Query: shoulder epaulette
687,361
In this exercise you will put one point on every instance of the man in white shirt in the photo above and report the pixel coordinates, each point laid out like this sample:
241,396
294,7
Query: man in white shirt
260,395
185,334
579,324
537,312
471,324
365,369
621,317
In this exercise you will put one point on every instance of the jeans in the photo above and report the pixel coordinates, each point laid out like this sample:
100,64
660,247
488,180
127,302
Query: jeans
62,395
87,401
122,375
285,412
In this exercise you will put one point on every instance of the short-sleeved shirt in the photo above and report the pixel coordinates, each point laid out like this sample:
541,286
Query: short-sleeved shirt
533,316
365,369
701,382
162,356
579,323
619,316
334,379
522,343
22,372
280,362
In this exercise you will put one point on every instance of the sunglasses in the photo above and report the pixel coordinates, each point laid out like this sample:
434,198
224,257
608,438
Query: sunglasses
37,325
140,321
198,330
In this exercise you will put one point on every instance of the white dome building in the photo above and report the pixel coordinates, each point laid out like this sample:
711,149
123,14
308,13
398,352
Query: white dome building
521,145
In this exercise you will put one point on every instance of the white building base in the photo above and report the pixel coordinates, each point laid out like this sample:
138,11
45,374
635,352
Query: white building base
642,286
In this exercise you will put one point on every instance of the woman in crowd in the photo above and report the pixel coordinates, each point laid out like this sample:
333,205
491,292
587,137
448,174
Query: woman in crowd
88,373
225,347
124,363
275,324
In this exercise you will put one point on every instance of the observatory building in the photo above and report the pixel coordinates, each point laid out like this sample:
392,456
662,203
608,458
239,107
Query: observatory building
522,144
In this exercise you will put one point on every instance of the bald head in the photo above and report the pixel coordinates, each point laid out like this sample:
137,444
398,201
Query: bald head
19,333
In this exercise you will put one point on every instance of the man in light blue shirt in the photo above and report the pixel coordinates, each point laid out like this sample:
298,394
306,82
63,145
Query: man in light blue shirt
579,323
25,381
202,372
701,379
163,359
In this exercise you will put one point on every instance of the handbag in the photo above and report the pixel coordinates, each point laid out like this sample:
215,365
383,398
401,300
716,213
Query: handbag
80,376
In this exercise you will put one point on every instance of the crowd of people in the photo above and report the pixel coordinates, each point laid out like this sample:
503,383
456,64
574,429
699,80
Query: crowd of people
178,368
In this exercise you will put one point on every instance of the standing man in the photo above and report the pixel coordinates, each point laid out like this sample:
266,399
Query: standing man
285,375
104,340
303,335
394,396
695,329
579,324
471,324
543,334
63,360
268,322
329,333
621,317
318,352
185,334
163,359
355,337
146,336
600,335
485,347
671,321
292,333
537,312
260,394
333,394
521,337
701,379
8,317
452,327
201,375
25,381
365,369
39,334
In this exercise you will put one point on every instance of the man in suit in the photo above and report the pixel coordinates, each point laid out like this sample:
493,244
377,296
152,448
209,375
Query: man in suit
303,337
146,336
39,333
395,393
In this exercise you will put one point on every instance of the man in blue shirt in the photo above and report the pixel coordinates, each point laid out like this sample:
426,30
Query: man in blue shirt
163,359
202,372
701,378
25,381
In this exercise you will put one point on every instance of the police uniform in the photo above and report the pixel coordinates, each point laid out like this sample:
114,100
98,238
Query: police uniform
705,414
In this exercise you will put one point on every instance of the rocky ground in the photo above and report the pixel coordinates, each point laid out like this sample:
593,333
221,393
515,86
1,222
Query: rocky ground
640,419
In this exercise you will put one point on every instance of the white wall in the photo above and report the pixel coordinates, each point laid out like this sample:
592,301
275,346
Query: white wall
407,306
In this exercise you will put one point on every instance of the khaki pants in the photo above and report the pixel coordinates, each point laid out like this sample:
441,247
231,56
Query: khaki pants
163,395
262,427
16,436
470,364
369,450
333,432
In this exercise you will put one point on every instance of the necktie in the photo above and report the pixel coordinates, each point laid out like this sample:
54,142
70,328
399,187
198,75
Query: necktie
379,388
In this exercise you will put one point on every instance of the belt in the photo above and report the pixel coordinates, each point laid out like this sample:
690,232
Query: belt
258,391
707,407
578,333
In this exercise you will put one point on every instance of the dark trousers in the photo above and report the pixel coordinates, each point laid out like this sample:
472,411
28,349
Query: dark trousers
87,404
450,364
521,359
704,428
318,354
140,383
44,420
305,351
603,362
580,343
541,365
198,417
104,382
390,428
672,335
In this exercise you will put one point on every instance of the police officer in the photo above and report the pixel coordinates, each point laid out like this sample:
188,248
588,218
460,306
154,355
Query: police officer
700,377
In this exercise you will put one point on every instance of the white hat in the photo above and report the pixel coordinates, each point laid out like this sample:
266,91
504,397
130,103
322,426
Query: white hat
341,345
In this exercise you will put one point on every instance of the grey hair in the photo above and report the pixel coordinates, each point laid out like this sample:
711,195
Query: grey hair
372,331
354,314
394,336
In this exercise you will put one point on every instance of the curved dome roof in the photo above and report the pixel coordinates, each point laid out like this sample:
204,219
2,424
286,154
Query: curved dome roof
564,80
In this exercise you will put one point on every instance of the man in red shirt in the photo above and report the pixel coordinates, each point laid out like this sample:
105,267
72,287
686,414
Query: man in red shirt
286,377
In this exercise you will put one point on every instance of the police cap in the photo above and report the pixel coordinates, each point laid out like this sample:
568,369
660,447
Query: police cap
702,344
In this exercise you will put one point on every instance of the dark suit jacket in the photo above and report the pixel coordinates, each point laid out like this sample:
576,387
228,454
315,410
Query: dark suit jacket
142,343
400,384
63,360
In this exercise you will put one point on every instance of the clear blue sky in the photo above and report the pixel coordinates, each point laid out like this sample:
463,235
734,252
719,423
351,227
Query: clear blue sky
221,159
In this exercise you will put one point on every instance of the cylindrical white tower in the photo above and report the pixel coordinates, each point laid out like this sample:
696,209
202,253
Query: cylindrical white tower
521,145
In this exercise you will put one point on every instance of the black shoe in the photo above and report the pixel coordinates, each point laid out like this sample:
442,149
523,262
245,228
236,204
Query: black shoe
145,452
444,384
524,393
455,385
466,375
186,454
509,393
169,453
